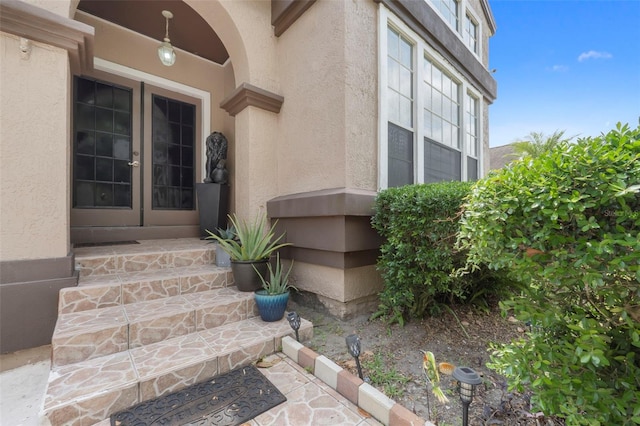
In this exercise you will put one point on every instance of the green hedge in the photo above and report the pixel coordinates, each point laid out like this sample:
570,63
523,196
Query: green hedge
567,223
419,224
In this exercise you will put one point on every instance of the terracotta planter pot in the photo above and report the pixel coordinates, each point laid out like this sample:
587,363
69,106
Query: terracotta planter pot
245,276
271,306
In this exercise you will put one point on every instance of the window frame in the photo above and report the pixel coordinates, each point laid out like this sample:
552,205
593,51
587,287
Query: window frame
421,50
460,30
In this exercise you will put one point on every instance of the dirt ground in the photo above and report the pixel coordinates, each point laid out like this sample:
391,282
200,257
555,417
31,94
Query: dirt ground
392,353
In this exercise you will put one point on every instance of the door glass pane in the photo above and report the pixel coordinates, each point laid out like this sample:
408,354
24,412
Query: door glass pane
84,194
122,148
187,156
104,195
121,99
121,195
85,117
101,156
121,171
188,114
104,169
122,123
104,95
104,147
173,154
85,167
85,142
104,119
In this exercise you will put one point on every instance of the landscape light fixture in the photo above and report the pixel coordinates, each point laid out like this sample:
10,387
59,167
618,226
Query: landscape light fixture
467,379
294,322
165,51
353,346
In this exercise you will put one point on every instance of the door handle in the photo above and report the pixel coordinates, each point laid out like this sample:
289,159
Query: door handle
135,163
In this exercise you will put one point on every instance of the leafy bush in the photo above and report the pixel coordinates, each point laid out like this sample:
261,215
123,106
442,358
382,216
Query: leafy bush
420,225
567,223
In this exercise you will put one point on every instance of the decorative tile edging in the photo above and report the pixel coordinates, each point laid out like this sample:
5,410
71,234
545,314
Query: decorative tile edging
365,396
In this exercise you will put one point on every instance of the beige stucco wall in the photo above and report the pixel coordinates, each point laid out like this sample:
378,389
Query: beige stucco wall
340,290
361,94
327,125
34,151
244,27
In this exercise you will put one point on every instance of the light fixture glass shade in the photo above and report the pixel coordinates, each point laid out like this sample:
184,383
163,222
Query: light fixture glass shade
166,54
468,379
353,345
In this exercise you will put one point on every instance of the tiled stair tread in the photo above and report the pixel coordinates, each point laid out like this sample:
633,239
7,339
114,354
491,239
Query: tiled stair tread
101,291
80,380
96,319
145,246
92,320
85,380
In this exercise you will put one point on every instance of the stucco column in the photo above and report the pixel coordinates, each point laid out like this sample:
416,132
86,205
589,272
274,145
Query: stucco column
34,150
255,175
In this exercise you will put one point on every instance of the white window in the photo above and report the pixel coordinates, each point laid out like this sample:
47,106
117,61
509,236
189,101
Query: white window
441,105
470,33
449,11
400,79
400,74
429,113
472,116
469,29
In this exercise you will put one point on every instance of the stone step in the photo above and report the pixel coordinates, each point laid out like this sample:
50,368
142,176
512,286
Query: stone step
90,391
88,334
147,255
103,291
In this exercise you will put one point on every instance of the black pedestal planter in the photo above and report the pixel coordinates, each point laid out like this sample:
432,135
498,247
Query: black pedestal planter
213,206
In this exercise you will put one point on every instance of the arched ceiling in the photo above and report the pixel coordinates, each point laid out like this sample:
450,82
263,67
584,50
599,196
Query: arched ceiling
187,30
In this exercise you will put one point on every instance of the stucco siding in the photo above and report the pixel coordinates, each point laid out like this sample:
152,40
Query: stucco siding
361,95
311,141
34,151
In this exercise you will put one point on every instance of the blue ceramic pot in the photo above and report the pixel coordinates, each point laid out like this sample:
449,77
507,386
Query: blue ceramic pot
271,306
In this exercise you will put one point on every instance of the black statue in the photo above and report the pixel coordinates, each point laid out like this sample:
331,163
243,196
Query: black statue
220,173
216,151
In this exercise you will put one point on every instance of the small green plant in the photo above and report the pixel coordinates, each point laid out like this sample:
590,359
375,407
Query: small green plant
228,234
277,281
382,375
252,240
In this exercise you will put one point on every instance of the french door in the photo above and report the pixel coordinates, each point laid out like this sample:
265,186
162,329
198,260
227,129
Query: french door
136,154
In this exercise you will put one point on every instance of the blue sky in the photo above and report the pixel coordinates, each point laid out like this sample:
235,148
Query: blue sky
570,65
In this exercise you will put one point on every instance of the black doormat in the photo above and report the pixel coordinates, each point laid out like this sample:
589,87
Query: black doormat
226,400
110,243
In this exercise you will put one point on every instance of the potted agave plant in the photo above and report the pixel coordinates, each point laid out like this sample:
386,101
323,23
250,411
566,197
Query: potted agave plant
272,299
250,248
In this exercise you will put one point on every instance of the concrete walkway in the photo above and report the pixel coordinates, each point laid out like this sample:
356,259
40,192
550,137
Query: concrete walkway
23,381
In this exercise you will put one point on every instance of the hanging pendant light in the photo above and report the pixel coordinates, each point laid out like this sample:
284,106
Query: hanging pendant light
165,51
